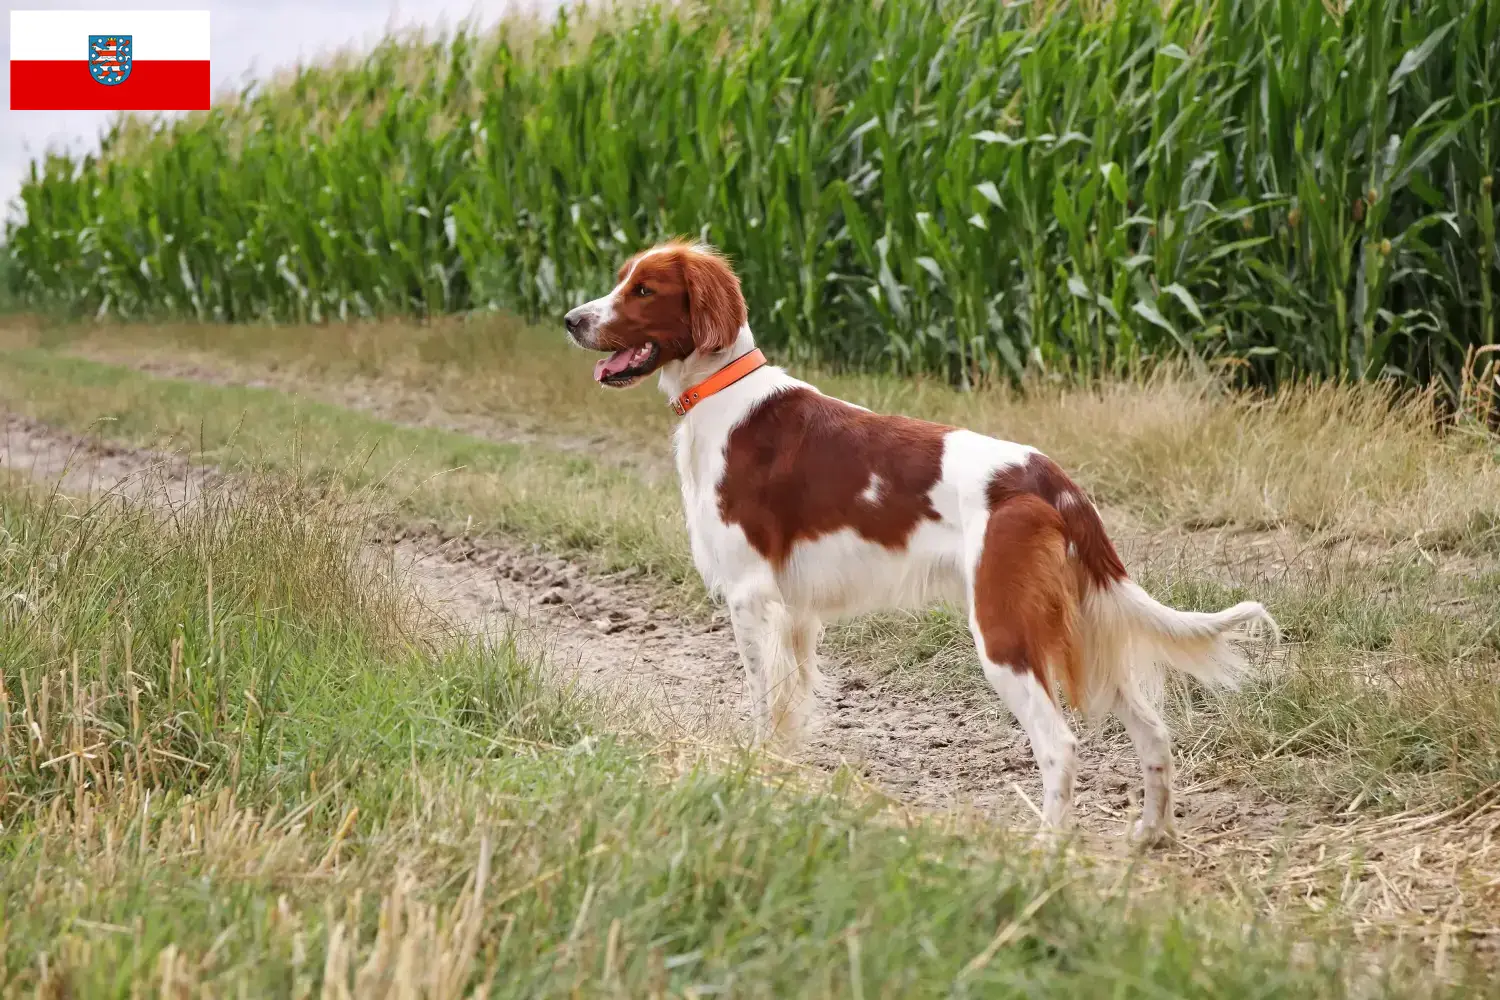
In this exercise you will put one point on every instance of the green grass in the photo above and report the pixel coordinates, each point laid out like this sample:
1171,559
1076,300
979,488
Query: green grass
567,501
204,649
972,188
293,789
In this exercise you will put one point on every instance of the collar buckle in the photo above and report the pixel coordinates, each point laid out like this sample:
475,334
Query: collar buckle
719,380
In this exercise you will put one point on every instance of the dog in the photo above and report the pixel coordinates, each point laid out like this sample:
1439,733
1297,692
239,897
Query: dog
802,508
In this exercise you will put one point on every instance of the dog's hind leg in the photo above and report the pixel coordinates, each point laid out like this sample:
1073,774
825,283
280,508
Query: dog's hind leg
1022,612
1153,745
1052,742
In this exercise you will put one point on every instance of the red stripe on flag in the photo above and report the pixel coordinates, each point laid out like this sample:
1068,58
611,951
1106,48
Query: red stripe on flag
67,85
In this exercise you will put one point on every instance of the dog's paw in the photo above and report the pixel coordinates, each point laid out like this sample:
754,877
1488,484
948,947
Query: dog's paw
1145,836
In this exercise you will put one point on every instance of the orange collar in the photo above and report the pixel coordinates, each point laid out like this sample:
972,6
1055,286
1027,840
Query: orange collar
719,380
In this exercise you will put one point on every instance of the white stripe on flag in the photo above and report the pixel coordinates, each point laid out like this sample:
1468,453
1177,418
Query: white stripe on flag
64,34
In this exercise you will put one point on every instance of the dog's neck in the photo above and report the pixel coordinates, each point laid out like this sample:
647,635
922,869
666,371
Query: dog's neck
677,376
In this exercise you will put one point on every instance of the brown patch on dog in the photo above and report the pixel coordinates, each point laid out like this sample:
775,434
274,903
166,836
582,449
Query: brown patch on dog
802,465
691,301
1026,594
1041,477
716,306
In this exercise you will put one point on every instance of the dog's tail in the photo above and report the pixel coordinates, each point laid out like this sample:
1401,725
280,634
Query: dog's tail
1126,637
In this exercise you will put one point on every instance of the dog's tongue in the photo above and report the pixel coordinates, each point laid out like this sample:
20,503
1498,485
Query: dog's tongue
620,361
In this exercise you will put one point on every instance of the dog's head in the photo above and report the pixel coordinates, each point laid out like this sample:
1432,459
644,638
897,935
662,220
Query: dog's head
669,302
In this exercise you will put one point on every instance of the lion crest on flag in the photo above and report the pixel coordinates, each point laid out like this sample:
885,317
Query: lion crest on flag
110,58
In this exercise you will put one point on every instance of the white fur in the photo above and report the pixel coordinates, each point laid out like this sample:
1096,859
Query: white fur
1126,636
602,309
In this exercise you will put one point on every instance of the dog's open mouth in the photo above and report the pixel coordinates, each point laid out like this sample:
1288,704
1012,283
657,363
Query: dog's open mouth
626,367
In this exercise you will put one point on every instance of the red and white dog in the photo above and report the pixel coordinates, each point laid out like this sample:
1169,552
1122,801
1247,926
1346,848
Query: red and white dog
801,508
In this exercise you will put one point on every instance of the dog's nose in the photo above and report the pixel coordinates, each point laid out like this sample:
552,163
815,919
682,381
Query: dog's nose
574,320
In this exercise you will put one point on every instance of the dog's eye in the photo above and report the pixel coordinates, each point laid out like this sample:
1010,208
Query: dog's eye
642,291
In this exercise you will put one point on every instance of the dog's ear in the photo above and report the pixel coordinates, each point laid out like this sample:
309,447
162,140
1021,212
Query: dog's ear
716,306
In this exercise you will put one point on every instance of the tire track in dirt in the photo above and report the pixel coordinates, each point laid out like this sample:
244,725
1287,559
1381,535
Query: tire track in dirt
958,749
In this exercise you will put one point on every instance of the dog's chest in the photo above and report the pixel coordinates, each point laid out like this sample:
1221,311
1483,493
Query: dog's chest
699,453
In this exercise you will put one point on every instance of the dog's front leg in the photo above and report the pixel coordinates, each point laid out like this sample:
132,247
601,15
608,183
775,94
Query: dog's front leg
753,613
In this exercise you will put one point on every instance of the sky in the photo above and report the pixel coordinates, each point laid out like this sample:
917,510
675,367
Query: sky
248,40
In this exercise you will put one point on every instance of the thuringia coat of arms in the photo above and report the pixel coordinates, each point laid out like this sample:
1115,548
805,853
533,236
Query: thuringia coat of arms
110,57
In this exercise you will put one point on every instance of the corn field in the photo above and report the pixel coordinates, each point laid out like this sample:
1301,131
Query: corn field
970,188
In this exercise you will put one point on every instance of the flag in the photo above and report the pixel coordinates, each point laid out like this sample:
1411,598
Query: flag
104,60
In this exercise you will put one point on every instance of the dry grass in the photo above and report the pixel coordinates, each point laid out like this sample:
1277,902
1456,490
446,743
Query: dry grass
562,498
1318,458
1347,462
